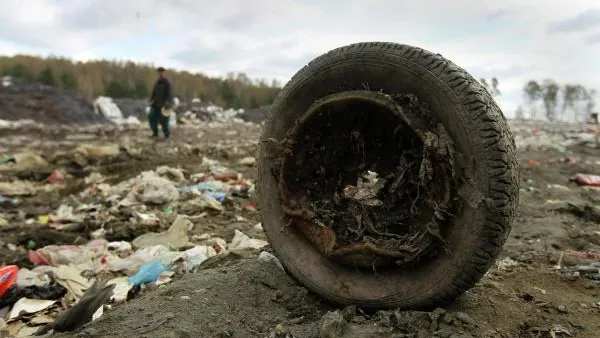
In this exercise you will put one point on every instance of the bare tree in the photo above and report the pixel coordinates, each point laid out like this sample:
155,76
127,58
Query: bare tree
589,96
533,92
550,95
519,115
484,83
491,87
569,98
495,84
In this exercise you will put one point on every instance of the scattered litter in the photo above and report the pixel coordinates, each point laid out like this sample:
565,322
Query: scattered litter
70,277
53,291
24,162
8,275
588,180
121,289
70,197
147,219
172,174
17,188
175,237
55,177
26,306
140,257
506,264
152,189
119,247
242,241
94,178
197,255
249,161
586,211
36,277
86,256
127,213
86,153
268,257
148,273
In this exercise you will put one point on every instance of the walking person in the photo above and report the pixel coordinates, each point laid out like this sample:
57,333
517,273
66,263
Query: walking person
161,102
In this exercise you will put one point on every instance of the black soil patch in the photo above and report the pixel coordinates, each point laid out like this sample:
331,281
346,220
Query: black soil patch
378,175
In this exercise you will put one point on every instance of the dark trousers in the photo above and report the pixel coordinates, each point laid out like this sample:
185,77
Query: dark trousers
155,118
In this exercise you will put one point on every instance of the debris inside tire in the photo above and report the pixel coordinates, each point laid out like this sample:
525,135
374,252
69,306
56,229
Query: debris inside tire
367,177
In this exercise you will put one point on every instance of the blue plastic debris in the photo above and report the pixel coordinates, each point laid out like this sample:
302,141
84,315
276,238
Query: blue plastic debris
204,186
148,273
219,196
6,200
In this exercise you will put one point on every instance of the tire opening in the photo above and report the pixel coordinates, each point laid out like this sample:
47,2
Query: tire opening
368,179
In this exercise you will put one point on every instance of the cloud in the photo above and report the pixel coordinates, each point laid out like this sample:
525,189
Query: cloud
506,73
593,39
583,21
498,14
274,39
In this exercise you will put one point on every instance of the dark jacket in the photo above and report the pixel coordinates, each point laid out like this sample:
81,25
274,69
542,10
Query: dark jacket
162,93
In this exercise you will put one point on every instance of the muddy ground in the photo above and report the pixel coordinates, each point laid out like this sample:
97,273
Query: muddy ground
523,295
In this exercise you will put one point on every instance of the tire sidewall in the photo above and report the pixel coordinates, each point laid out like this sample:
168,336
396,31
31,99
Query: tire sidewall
389,68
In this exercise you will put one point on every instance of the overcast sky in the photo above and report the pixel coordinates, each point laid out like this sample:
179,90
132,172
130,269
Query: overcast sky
514,40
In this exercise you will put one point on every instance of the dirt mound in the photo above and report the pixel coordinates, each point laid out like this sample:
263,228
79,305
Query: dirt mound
262,295
247,297
45,104
257,299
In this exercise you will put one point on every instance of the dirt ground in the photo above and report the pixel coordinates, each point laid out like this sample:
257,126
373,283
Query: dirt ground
238,295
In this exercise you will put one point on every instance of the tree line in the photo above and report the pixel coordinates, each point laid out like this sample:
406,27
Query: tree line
556,101
126,79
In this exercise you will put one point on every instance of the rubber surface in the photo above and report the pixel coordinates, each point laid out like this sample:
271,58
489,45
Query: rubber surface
489,174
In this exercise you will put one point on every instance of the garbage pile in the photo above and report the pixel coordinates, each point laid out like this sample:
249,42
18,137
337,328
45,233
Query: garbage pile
556,136
107,108
135,235
198,112
255,115
133,107
44,104
193,112
22,102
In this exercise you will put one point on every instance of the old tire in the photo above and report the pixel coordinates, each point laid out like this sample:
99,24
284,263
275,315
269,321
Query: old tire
486,155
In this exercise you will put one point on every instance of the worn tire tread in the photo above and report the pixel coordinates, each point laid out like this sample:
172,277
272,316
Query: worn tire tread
494,133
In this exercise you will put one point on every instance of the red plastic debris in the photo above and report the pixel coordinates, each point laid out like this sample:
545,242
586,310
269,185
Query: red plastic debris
55,177
231,176
218,247
568,160
8,274
589,180
594,131
350,190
